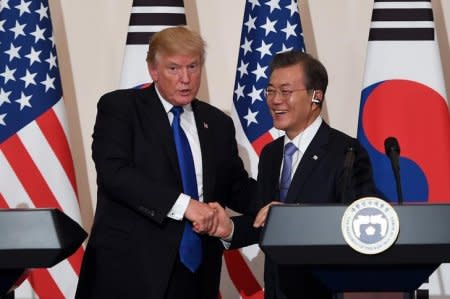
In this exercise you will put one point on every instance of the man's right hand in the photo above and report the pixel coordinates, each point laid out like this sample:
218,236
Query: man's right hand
262,214
225,228
202,216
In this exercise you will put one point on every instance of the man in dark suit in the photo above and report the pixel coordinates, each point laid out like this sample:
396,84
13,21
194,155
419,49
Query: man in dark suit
311,163
150,146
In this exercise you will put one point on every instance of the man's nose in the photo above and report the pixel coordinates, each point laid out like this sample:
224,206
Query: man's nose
185,76
277,98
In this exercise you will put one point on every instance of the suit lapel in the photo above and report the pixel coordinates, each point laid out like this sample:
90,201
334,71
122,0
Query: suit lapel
310,160
155,121
206,137
275,169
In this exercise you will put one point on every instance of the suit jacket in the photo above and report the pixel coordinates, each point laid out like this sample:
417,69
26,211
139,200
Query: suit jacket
320,179
133,245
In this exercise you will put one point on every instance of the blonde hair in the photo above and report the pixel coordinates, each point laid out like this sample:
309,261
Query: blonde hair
174,41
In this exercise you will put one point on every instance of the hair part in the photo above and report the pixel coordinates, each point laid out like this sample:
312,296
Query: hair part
316,76
175,41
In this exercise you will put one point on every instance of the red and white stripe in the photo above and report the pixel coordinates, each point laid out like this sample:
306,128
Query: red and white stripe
36,171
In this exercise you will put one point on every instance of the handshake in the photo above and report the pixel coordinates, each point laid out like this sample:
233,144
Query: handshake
212,219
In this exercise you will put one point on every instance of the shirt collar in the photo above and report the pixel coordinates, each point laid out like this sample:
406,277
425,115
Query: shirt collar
302,140
167,105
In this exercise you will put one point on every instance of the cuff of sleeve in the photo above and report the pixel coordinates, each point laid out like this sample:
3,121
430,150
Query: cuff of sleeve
179,208
227,241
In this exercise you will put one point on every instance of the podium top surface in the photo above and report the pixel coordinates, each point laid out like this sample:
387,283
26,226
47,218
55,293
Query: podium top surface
311,234
35,238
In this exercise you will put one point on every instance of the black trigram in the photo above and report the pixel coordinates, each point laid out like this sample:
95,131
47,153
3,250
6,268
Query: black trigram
402,20
150,16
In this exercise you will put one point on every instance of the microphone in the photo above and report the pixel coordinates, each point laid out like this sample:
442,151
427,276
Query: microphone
392,150
348,166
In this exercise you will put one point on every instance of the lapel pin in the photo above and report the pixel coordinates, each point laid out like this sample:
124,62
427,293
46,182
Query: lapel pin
315,157
205,125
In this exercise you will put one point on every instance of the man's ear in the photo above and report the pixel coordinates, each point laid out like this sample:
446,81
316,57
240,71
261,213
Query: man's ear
317,96
152,70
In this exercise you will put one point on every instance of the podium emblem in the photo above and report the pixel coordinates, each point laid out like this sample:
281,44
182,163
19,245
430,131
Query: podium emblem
370,225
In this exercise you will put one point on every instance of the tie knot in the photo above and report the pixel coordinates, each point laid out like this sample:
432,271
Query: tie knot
289,149
177,110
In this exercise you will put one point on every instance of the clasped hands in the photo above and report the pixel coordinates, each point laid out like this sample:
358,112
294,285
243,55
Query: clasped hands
209,218
212,219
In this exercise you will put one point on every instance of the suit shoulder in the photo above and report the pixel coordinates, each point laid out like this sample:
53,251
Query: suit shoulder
340,139
341,136
211,110
214,115
272,146
118,96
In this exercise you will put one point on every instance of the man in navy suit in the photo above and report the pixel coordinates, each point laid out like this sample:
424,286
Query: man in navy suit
143,210
306,165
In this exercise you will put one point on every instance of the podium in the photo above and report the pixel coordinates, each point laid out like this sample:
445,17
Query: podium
310,236
34,238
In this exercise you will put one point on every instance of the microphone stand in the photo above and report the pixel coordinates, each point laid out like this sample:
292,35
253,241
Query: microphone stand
392,150
399,185
348,166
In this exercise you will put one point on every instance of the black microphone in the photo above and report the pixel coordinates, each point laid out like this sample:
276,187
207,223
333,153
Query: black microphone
348,166
392,150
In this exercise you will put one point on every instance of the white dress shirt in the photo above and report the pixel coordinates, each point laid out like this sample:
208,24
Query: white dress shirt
187,122
302,141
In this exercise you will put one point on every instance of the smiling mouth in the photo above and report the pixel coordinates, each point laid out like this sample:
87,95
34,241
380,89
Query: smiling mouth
279,112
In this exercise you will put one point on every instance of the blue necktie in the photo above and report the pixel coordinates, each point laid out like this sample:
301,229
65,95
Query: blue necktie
286,172
191,244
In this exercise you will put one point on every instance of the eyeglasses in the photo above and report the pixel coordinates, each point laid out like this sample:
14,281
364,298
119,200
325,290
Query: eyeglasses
271,92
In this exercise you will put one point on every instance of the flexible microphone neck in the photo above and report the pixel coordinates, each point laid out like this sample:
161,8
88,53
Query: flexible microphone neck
392,150
348,167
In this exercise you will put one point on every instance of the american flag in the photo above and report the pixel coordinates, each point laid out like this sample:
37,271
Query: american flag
269,27
36,168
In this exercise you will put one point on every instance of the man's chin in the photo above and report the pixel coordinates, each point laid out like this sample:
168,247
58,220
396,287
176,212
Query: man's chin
279,125
184,100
